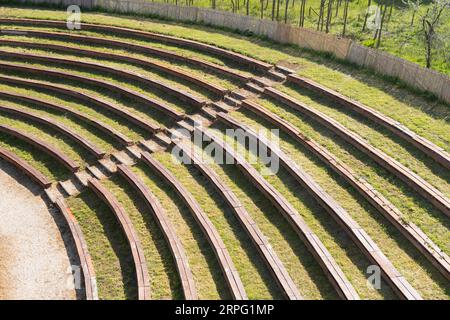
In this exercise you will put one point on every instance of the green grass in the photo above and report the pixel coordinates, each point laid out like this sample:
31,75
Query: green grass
255,276
353,263
379,137
208,278
205,74
414,208
398,37
110,252
164,280
409,261
300,264
99,113
48,165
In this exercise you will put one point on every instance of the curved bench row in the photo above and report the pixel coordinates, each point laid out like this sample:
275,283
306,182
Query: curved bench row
176,247
413,180
413,233
25,167
96,151
331,269
398,283
67,110
261,243
101,83
87,268
231,275
89,99
216,89
140,264
429,148
133,47
233,56
42,145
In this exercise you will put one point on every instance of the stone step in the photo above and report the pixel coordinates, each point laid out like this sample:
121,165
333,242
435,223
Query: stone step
71,187
152,146
83,177
278,76
97,172
284,70
108,165
255,88
123,158
231,101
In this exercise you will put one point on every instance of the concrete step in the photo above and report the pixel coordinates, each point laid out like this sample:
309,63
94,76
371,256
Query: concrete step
97,172
71,187
231,101
108,165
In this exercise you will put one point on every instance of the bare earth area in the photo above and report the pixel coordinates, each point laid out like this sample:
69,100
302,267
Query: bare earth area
34,261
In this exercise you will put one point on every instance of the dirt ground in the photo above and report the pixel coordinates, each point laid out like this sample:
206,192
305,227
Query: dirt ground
34,261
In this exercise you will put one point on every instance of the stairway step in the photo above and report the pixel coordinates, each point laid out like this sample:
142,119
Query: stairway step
255,88
277,75
108,164
284,70
96,172
70,187
231,101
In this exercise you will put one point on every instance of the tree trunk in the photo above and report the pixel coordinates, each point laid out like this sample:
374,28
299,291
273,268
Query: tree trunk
381,26
278,10
286,8
329,13
413,16
273,9
301,20
321,13
247,7
345,17
366,16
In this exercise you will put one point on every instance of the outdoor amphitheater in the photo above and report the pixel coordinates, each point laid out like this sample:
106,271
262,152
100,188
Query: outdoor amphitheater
150,159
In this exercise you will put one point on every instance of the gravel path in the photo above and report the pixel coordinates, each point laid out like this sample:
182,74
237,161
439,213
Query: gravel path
34,261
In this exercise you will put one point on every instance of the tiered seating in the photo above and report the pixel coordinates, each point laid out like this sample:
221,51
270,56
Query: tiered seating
235,57
178,252
413,180
42,145
317,249
127,92
261,243
96,151
216,89
137,48
135,245
359,236
413,233
228,269
143,123
67,110
131,151
429,148
23,166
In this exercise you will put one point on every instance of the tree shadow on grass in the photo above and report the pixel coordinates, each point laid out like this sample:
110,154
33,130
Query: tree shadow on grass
118,242
238,232
390,230
155,233
430,163
196,231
